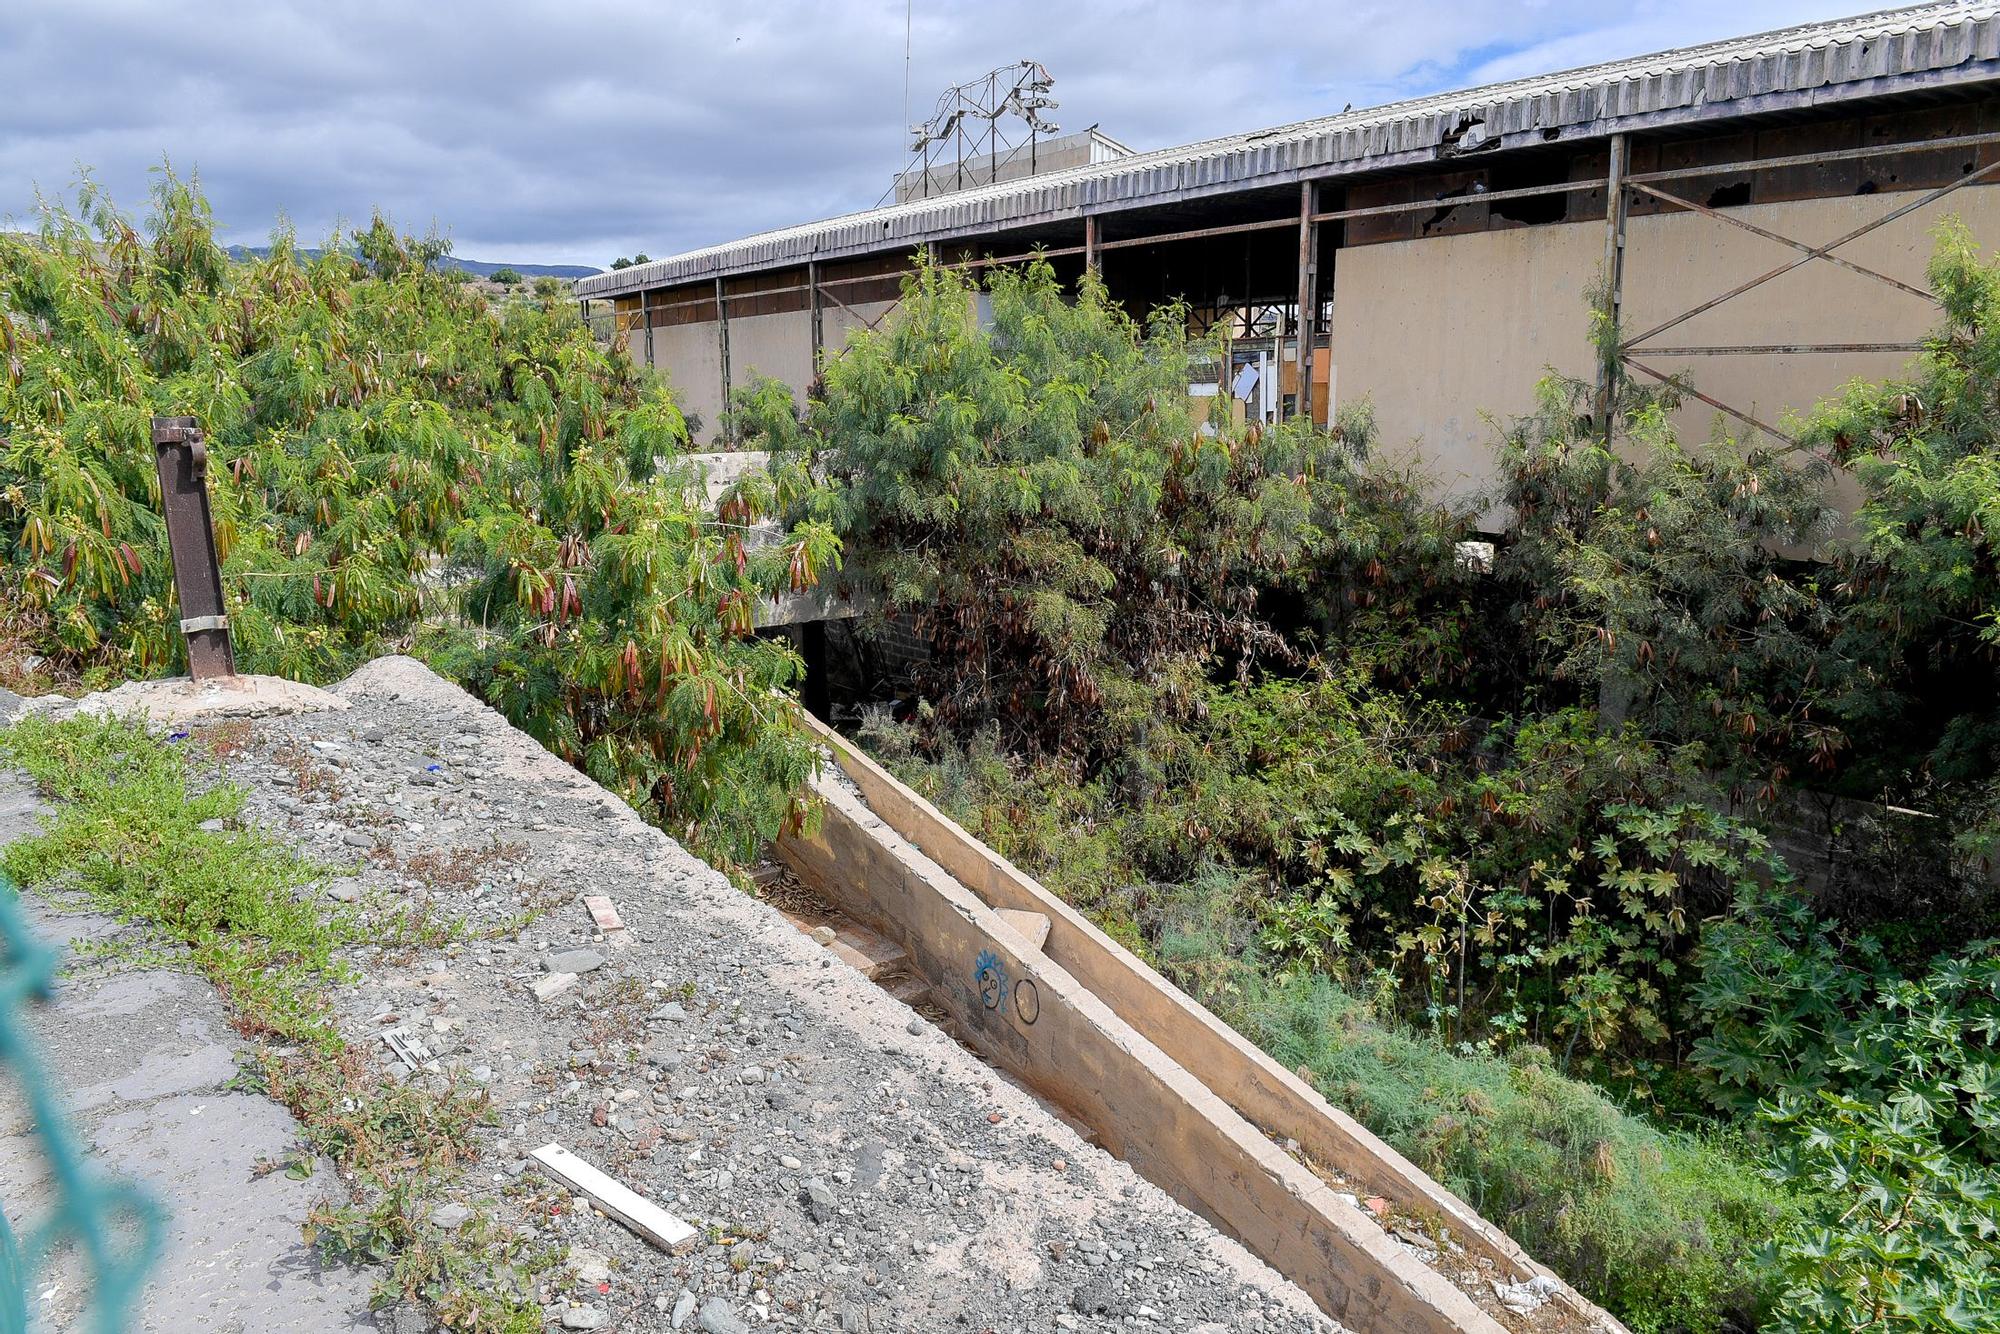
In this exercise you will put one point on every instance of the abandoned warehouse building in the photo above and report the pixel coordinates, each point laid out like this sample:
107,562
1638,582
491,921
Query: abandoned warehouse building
1762,211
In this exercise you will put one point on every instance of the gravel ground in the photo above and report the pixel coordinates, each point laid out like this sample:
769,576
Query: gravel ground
850,1166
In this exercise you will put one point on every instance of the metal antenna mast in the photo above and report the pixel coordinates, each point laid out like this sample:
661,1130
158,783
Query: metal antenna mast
1017,92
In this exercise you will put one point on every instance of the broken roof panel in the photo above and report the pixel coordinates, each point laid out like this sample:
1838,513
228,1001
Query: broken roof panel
1927,46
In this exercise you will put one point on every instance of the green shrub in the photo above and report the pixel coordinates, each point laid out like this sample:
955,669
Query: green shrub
1902,1152
392,462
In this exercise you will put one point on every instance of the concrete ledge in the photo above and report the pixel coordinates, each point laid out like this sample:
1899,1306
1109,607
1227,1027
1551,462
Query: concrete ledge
179,700
1031,1017
1240,1086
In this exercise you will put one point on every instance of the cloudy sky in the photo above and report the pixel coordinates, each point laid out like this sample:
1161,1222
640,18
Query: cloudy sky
573,131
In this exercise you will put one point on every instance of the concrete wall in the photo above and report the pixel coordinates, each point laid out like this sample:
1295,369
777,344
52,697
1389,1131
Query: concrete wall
779,346
1438,331
1442,330
688,354
776,345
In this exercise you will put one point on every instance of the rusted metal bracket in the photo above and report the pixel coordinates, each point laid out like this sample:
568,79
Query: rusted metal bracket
181,454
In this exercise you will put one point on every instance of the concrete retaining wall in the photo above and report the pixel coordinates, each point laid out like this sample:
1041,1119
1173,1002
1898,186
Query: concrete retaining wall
1114,1043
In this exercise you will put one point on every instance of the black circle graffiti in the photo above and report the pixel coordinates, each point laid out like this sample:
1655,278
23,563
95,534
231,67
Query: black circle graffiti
1027,1001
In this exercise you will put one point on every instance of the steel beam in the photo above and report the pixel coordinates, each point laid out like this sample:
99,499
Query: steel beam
1715,403
1819,159
180,453
1437,202
1614,276
722,349
818,316
1308,300
1777,349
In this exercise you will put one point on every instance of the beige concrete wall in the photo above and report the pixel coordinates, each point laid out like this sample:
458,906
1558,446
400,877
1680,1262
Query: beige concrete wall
1440,331
774,345
692,363
779,346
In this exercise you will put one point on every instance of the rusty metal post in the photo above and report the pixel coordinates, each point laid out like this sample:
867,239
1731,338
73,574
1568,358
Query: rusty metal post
1092,259
1614,279
646,322
818,316
1302,378
722,353
181,454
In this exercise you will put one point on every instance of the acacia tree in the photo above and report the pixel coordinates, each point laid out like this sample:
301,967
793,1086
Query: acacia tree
1046,505
1669,579
1921,582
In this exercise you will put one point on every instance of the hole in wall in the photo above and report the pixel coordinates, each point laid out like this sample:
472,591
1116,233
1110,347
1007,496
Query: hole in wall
1534,209
1730,196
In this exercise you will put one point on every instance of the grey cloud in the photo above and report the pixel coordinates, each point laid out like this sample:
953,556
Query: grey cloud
577,131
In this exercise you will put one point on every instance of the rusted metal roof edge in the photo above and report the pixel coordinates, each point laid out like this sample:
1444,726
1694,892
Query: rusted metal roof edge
1822,65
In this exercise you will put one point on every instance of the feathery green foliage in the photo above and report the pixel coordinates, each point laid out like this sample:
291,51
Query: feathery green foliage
392,462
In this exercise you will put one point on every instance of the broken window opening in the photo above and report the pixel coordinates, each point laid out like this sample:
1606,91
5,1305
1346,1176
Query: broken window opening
1535,210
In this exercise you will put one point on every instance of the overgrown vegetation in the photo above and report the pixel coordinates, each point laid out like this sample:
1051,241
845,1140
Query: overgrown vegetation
1492,856
128,836
1460,845
393,464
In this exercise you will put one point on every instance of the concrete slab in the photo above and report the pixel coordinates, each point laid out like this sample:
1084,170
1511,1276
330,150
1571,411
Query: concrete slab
861,948
179,700
143,1057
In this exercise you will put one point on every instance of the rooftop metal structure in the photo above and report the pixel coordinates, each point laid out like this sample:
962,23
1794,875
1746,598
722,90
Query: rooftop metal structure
1926,47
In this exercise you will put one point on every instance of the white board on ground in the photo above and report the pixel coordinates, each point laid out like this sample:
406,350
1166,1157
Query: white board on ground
644,1217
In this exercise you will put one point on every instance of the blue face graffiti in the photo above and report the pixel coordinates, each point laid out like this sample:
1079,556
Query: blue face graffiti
989,975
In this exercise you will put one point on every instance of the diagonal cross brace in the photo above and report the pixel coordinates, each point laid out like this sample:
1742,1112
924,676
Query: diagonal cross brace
1816,252
866,323
1755,230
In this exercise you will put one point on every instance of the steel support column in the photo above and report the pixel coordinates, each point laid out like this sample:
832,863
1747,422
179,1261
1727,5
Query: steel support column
818,315
722,350
1308,316
1614,281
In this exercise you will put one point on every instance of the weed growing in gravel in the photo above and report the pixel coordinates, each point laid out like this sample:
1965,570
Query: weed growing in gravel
462,868
128,834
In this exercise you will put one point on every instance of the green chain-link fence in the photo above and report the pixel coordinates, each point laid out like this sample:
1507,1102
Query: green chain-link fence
116,1228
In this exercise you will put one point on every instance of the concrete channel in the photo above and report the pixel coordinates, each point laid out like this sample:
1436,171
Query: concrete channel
1163,1083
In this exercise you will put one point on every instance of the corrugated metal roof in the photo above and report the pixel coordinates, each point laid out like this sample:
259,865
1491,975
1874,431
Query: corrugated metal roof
1921,47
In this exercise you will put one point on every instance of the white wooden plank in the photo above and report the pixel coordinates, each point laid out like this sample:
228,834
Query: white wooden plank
644,1217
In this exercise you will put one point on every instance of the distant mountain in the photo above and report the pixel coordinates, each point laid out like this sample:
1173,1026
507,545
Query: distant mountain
477,267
